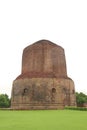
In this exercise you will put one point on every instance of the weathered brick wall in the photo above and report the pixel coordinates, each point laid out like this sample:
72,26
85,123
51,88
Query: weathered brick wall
43,82
44,57
44,93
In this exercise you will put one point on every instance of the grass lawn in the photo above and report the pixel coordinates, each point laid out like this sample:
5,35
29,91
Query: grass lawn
43,120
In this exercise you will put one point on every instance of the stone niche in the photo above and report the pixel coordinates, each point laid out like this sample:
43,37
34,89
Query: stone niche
43,82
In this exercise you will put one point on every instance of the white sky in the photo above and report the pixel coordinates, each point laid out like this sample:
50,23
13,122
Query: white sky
23,22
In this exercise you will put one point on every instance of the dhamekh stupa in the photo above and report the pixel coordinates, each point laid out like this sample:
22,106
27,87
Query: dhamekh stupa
43,82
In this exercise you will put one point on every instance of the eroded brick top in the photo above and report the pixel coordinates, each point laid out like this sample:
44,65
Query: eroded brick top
43,59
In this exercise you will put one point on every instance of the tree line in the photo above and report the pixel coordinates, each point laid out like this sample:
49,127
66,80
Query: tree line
5,101
81,98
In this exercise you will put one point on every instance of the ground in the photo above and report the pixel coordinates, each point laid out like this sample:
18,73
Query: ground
43,119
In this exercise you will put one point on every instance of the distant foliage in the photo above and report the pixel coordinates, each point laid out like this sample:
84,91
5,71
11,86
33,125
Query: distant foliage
81,98
4,101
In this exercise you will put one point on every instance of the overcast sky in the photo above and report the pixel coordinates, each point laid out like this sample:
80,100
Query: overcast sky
23,22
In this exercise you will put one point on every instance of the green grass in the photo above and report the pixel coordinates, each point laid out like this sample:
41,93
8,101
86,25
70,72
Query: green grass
43,120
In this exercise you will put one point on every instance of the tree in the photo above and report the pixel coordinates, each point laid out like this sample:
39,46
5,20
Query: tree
4,101
81,98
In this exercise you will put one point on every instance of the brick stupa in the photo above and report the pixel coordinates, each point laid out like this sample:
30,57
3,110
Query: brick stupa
43,83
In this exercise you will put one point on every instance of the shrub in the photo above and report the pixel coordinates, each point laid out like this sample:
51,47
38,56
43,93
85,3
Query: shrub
4,101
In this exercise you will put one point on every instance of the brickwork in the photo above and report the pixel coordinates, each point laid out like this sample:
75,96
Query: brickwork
43,83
